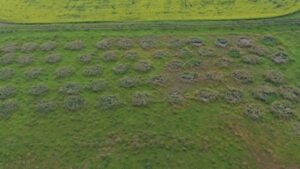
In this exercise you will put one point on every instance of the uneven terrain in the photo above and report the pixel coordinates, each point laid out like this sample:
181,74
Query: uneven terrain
150,98
164,94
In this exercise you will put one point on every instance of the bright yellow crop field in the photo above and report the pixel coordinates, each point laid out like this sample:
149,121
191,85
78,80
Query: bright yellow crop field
46,11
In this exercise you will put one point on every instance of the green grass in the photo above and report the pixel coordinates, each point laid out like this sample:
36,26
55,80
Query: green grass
210,135
43,11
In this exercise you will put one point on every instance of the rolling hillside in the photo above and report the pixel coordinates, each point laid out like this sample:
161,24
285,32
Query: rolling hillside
161,84
44,11
108,99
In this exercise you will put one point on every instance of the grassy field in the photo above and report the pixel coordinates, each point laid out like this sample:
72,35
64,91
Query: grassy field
150,98
44,11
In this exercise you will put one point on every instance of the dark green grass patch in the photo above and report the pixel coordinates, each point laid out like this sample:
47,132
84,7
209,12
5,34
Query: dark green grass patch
174,100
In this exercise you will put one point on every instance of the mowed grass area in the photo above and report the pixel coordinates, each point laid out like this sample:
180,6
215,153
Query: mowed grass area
44,11
150,98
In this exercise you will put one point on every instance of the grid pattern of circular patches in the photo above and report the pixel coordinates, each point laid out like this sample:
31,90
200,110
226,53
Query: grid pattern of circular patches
138,72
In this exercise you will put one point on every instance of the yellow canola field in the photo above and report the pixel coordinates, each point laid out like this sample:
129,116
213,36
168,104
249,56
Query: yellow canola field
48,11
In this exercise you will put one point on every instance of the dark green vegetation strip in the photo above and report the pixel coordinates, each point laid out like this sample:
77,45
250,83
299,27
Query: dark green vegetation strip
75,97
